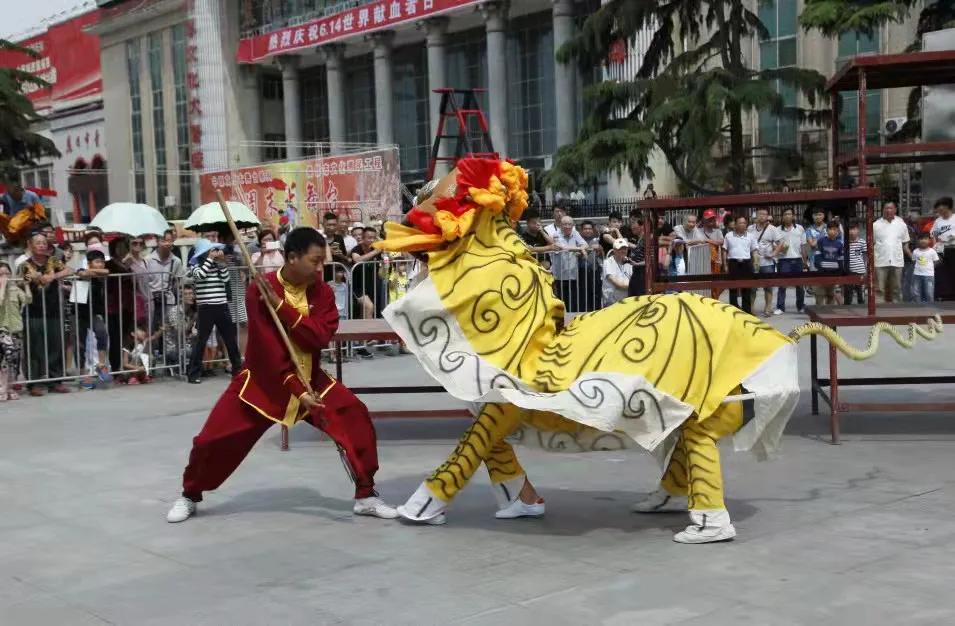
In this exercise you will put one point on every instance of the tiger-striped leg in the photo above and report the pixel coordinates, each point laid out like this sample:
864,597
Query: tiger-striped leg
495,422
709,519
671,497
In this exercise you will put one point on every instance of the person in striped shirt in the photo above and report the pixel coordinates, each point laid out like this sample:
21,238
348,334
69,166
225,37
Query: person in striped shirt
857,256
210,276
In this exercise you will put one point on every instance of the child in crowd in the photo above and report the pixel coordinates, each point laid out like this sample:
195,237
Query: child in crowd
92,317
923,276
12,301
676,258
829,258
136,357
857,265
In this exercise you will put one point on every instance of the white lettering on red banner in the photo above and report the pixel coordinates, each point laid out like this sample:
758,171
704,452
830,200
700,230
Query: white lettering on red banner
359,20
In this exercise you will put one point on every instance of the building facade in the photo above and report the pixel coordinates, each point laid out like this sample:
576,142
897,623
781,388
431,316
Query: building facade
72,114
218,84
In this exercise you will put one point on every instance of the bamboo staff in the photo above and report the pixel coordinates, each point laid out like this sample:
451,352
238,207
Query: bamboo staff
260,282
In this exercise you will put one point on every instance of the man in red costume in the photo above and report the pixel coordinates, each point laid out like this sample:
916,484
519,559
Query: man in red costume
268,389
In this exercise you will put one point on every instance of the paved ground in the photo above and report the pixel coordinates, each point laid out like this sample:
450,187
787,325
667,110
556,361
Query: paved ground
856,534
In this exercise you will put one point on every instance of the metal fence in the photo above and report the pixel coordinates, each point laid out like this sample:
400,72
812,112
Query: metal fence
137,326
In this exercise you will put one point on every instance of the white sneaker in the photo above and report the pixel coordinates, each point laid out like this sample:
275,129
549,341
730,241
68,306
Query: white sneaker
518,508
661,501
374,507
707,526
181,510
423,507
778,312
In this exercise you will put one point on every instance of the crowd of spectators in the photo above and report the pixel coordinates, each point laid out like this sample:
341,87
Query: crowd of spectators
594,266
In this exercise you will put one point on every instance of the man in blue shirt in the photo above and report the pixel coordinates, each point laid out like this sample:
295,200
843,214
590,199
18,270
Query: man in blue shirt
830,257
18,198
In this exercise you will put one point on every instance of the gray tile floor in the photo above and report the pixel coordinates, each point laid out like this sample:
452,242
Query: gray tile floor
856,534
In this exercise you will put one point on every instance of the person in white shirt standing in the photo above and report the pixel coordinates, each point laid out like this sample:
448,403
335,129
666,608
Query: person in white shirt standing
571,246
768,246
740,247
943,231
891,248
793,259
617,272
925,259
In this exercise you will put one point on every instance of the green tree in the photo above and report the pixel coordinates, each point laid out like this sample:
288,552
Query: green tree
684,102
19,146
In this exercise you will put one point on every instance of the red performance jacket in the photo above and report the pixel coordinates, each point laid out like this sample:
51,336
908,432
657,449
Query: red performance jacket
268,379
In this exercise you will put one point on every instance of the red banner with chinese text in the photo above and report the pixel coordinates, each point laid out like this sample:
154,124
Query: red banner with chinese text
359,20
356,187
69,59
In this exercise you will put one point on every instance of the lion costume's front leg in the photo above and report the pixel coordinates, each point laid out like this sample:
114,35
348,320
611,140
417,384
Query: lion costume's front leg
694,479
482,442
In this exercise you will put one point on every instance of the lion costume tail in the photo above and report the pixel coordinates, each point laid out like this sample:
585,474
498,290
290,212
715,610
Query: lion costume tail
931,330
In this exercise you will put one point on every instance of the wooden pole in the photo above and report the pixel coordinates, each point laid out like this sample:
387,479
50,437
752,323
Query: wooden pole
258,279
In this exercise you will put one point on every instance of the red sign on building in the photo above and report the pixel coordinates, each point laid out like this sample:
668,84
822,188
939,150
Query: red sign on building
359,20
68,60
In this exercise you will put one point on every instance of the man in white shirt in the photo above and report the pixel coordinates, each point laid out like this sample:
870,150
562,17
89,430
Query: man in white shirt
617,272
792,258
740,250
686,230
891,249
943,232
566,262
768,246
553,229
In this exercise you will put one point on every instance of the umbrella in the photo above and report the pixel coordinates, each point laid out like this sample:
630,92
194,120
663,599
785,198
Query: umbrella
135,220
210,217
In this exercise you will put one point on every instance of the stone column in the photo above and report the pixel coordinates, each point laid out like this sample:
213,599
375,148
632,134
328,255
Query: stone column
384,87
436,29
335,86
495,20
565,80
292,104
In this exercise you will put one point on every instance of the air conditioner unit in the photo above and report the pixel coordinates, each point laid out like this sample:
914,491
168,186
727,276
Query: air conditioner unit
894,124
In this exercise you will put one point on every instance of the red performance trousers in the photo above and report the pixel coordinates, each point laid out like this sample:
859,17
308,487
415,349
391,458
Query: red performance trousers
233,427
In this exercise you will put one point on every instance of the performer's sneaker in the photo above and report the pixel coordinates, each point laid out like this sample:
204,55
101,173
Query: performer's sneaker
660,501
707,526
518,508
374,507
181,510
423,507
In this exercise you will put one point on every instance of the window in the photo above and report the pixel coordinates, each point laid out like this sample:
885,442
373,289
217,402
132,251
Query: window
779,51
133,58
314,104
159,123
532,124
852,44
360,125
182,117
274,149
412,123
272,88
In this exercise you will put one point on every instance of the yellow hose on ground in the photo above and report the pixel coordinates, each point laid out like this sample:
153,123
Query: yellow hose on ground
933,327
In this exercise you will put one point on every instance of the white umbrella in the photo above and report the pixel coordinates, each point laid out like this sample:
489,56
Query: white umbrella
208,216
135,220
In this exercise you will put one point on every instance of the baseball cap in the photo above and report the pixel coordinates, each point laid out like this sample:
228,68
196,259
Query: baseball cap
620,243
709,214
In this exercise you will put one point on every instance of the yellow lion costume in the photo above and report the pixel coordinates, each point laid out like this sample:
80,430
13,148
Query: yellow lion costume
654,371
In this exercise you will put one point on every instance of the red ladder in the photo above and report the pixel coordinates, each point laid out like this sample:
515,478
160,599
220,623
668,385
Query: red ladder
470,142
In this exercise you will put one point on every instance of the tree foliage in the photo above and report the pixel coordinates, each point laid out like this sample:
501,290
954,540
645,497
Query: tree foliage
19,146
683,101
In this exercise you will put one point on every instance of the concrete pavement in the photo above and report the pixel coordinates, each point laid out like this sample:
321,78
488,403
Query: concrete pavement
856,534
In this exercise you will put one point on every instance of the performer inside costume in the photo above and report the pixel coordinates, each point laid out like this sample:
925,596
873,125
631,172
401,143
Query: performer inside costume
651,371
267,390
